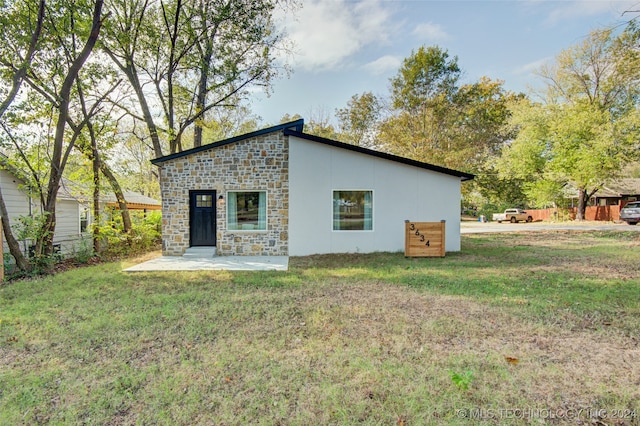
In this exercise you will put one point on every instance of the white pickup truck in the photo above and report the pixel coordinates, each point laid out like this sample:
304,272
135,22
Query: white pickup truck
513,216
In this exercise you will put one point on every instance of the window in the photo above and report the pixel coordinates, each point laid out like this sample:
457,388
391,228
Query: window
247,211
84,220
352,210
203,200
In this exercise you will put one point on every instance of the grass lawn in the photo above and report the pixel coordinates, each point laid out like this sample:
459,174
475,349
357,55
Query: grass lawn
515,329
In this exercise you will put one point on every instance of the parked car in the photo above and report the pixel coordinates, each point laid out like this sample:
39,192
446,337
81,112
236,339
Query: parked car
630,213
513,216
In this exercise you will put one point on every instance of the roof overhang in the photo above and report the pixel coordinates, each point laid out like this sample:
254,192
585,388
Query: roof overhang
295,128
297,125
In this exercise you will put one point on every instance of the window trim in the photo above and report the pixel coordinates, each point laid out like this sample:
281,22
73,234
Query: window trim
266,210
333,191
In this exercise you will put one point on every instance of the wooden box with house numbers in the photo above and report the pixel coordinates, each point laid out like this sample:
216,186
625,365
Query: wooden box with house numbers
424,239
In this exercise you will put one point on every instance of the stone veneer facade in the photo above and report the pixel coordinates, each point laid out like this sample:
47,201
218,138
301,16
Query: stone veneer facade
256,164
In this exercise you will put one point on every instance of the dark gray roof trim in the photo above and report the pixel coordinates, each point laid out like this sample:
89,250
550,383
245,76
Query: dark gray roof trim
361,150
294,128
298,125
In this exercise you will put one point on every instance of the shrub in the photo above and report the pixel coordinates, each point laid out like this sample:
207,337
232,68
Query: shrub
145,234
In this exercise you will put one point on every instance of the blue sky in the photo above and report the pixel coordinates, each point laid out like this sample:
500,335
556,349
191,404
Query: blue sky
345,47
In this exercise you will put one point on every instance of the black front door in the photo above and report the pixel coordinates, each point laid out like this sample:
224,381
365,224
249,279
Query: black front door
202,218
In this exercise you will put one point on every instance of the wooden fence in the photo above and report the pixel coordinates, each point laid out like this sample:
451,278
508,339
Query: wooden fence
598,213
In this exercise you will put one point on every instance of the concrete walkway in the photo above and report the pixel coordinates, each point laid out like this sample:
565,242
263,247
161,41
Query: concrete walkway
218,263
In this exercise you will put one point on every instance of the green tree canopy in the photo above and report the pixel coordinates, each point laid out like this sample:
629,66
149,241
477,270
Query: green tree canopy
425,76
586,129
436,120
183,59
358,121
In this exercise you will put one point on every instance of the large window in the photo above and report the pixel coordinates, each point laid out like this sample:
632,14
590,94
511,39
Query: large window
247,211
352,210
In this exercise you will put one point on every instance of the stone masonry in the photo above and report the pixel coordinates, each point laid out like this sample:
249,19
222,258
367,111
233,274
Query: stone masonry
256,164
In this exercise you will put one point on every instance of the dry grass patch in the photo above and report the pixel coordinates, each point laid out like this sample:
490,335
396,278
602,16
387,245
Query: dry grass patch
548,367
566,252
509,331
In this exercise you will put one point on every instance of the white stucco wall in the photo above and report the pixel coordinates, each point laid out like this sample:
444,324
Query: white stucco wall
400,192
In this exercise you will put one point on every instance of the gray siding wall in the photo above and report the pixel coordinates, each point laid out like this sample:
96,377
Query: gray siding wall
18,204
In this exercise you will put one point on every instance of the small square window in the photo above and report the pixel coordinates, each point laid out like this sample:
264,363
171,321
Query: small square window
352,210
247,211
203,200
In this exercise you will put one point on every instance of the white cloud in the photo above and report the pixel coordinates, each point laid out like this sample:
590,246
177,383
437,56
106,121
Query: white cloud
384,65
430,32
533,67
326,33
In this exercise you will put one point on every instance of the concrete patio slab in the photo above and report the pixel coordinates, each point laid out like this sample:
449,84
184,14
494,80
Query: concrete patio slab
219,263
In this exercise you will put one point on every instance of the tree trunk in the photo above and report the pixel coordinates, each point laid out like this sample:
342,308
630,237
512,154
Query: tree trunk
57,163
201,98
95,163
117,190
582,204
14,247
94,156
202,95
173,28
132,74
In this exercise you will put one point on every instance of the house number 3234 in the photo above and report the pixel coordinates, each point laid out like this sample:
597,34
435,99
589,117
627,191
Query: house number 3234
412,227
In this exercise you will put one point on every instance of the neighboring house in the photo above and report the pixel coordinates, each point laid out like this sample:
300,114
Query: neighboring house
604,205
617,192
72,215
135,201
279,191
73,209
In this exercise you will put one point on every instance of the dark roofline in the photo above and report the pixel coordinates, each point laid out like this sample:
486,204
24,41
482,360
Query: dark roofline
295,128
6,165
391,157
298,125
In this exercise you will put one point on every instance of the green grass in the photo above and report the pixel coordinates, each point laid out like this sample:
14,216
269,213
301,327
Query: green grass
547,322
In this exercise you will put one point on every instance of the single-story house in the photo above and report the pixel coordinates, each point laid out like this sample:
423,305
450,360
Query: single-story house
279,191
72,216
617,192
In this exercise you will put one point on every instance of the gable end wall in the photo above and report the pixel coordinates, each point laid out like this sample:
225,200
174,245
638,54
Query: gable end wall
255,164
